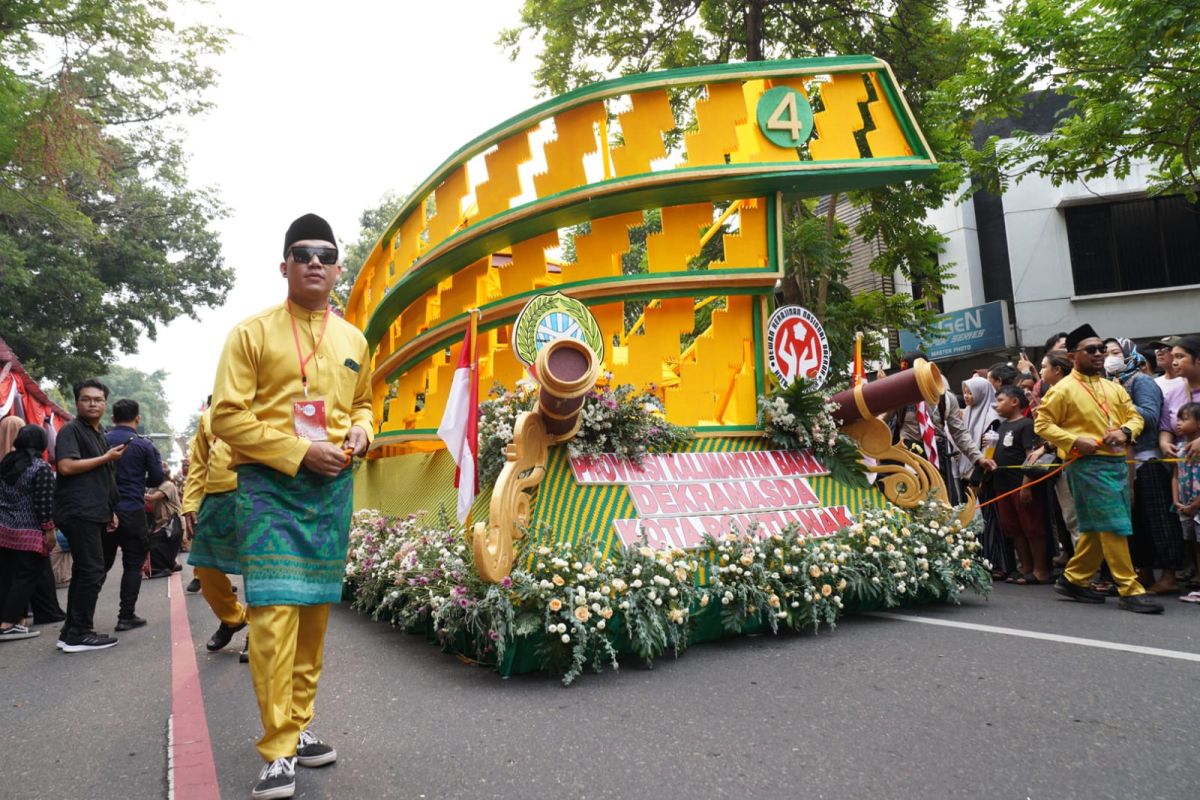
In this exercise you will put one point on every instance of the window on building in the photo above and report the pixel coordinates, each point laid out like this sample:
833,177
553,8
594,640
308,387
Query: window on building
1134,244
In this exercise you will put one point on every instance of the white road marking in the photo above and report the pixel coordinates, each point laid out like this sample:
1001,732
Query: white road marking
1045,637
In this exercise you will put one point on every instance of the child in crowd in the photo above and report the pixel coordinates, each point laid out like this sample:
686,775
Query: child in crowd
1022,516
1185,489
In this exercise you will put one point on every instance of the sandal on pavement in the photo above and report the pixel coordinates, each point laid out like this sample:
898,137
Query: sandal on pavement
1029,580
1192,597
1158,588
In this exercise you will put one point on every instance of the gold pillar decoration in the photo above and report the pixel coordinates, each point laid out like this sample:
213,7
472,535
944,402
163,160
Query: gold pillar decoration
566,370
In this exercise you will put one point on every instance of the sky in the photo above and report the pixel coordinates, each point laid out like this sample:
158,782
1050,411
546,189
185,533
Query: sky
323,107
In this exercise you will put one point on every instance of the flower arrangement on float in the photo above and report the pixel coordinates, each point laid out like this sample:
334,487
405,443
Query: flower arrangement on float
580,607
615,419
576,606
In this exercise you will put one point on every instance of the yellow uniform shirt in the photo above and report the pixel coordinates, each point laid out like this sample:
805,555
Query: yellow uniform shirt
208,466
1085,405
258,379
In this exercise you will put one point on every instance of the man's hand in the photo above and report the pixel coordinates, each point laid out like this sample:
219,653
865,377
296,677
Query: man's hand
1025,495
1085,446
325,458
1116,438
988,464
189,525
114,522
50,540
115,452
1191,508
357,441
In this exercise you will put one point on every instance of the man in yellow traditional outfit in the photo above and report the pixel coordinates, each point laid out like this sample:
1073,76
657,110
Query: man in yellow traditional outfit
1093,420
293,402
209,502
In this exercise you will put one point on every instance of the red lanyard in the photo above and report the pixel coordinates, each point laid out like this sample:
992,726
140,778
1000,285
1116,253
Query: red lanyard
299,353
1103,406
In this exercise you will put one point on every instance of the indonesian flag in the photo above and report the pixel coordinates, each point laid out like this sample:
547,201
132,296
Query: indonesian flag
460,422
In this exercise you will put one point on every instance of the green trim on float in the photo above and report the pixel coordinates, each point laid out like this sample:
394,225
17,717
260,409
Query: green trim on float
453,327
801,179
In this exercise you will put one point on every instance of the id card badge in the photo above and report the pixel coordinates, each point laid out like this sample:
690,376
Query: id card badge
308,418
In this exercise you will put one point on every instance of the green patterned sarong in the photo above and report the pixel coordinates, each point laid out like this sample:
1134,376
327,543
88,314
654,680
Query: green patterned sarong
292,535
1100,486
215,544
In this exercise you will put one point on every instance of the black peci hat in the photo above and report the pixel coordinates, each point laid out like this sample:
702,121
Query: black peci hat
1076,336
309,226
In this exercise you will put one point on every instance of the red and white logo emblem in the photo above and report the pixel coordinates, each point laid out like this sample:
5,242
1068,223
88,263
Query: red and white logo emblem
796,346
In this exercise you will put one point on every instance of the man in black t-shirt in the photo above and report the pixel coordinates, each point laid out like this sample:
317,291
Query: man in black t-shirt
85,496
1022,516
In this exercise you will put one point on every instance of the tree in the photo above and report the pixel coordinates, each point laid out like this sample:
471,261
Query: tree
101,238
584,42
1129,69
130,383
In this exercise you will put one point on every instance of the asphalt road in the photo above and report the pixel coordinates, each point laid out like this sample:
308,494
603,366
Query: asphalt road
880,708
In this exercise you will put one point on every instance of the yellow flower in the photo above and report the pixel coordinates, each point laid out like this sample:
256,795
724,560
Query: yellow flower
676,615
814,571
646,552
841,584
704,600
557,580
873,541
555,604
966,563
681,574
619,585
582,614
606,612
826,590
773,601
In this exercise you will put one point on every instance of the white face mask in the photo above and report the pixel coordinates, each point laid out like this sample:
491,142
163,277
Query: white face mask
1114,365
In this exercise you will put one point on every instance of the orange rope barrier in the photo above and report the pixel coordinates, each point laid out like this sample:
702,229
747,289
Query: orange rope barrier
1048,475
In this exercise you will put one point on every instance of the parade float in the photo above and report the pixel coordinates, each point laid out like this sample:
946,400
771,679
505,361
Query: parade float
660,455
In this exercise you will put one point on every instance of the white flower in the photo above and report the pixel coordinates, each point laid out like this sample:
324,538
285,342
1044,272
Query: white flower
673,592
566,638
600,625
637,584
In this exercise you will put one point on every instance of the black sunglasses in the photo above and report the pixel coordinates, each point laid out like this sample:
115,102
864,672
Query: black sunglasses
303,255
1091,349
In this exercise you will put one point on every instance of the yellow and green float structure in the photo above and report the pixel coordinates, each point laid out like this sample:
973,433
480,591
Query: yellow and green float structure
712,151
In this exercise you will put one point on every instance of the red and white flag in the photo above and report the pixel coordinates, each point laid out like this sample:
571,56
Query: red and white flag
460,422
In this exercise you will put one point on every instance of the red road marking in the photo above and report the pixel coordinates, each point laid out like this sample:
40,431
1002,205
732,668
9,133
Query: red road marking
195,772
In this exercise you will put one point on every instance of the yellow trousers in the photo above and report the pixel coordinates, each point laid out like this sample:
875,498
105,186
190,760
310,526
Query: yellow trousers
218,591
1093,548
286,647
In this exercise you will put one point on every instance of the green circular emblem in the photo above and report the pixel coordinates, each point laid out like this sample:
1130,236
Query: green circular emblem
785,117
552,316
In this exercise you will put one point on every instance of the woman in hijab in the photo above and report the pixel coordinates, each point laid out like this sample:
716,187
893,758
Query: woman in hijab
979,395
26,527
1157,541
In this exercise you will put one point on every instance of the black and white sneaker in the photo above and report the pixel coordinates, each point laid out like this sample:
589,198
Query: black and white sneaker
17,632
277,779
244,656
83,642
193,586
312,752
